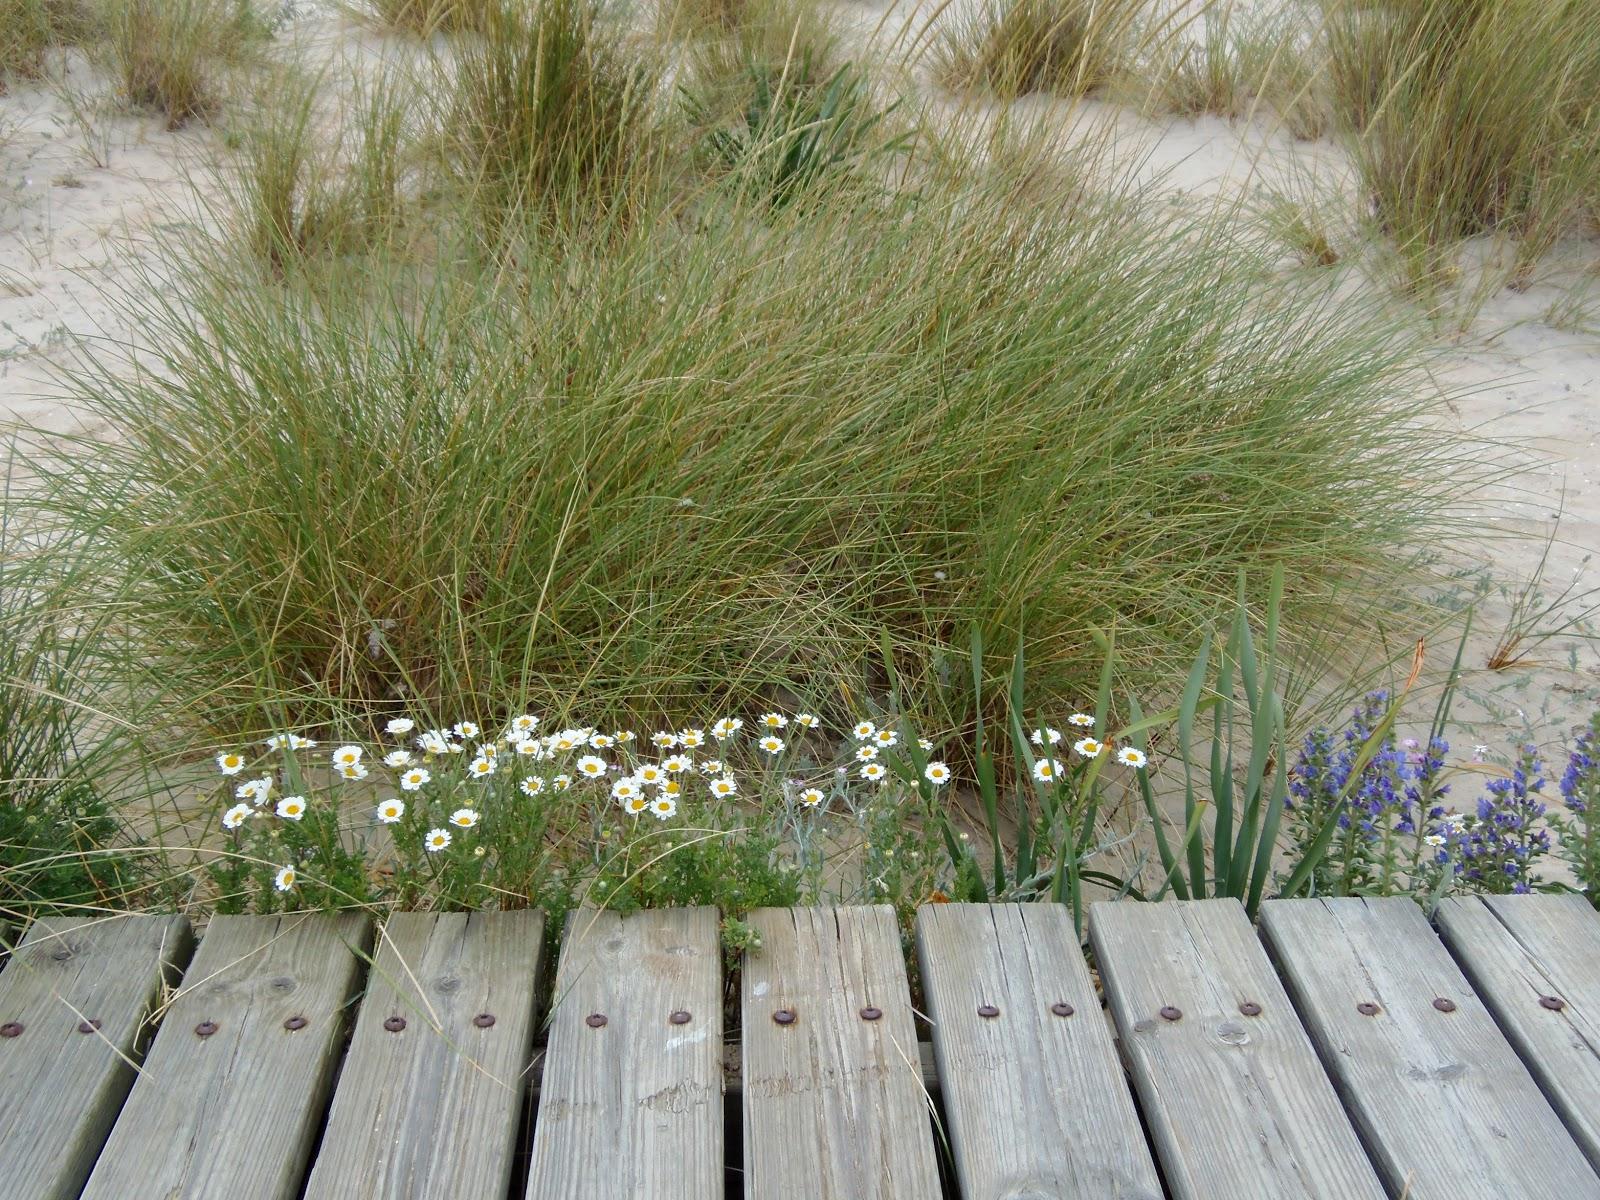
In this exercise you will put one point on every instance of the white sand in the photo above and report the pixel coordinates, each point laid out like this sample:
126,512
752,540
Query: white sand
1530,360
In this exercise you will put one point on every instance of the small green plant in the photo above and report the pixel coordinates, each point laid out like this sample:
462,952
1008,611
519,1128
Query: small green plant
172,56
1017,47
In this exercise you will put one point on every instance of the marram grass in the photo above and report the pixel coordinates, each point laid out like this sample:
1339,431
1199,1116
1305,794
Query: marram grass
717,455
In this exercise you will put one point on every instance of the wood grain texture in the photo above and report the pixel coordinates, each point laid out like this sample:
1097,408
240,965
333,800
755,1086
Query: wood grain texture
833,1104
232,1116
631,1109
1517,950
431,1110
1443,1103
1238,1105
1036,1103
61,1088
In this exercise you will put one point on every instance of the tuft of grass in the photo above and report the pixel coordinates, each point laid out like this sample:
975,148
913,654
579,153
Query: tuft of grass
172,56
425,18
547,109
1470,118
704,460
29,28
1018,47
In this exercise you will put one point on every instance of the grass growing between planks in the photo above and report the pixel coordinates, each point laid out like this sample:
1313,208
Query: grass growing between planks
1471,118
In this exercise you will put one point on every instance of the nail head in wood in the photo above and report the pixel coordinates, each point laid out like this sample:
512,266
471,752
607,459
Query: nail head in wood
1250,1008
11,1029
89,1026
595,1020
680,1017
295,1022
1062,1009
483,1020
870,1013
1367,1008
784,1016
988,1011
1553,1003
1445,1004
1169,1013
205,1029
394,1024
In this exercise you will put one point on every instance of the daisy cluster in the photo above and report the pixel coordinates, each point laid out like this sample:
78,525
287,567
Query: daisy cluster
1049,769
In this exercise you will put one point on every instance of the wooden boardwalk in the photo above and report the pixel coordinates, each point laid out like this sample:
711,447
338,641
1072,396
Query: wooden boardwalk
1346,1050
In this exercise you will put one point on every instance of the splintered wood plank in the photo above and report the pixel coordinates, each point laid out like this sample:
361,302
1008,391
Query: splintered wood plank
232,1115
1535,960
631,1100
1035,1099
431,1107
833,1103
1443,1103
79,989
1237,1103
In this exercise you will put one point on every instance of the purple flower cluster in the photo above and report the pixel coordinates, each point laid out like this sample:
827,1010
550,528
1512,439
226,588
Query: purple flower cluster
1580,782
1496,851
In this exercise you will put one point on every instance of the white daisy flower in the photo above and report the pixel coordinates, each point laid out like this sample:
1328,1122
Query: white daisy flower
391,811
489,750
712,766
354,771
726,728
284,879
296,742
1081,720
864,730
936,773
591,766
464,818
237,816
278,741
481,768
773,720
725,786
1046,770
811,797
925,743
1038,738
561,783
433,742
806,720
886,737
465,729
692,739
530,748
624,736
635,805
1089,748
396,759
400,726
601,741
255,790
291,808
413,779
230,764
624,790
663,807
346,756
664,741
522,726
772,745
676,764
670,788
436,840
1434,839
532,785
875,772
651,774
1130,756
866,753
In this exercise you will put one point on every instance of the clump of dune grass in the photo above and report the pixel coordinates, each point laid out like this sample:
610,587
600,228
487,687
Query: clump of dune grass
548,105
427,17
1470,118
704,457
29,28
172,57
1016,47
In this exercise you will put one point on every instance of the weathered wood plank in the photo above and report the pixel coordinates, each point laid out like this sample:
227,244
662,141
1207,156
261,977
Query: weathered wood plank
1237,1103
631,1102
232,1115
79,989
1535,960
1443,1103
1035,1100
833,1102
432,1108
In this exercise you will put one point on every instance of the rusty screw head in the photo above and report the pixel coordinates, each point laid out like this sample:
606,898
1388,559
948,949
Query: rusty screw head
988,1011
784,1016
1250,1008
1367,1008
680,1017
1169,1013
11,1029
295,1022
1443,1004
870,1013
595,1020
1553,1003
1062,1009
89,1026
205,1028
394,1024
483,1020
